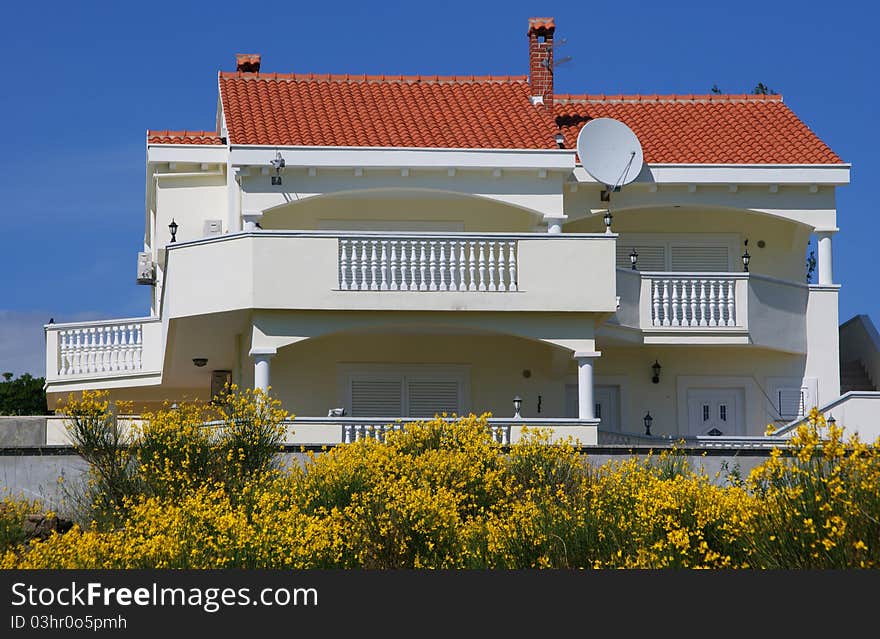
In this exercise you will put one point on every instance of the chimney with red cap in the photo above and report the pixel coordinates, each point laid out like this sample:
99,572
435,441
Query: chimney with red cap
247,62
541,59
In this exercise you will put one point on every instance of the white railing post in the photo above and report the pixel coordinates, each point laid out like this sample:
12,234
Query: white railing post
343,264
731,307
413,267
491,247
423,267
482,264
511,266
472,267
462,266
383,266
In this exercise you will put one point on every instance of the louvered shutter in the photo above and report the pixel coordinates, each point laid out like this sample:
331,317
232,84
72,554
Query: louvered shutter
651,258
699,258
376,398
792,402
429,397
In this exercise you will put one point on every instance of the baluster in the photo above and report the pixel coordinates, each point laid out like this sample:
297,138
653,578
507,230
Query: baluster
731,303
139,350
501,269
674,284
106,348
655,294
73,349
462,266
722,302
432,266
505,435
712,304
443,267
703,321
413,266
128,342
93,350
423,267
62,353
472,263
97,350
453,266
80,353
491,248
357,432
114,350
511,265
364,267
482,265
694,320
393,284
346,433
374,267
665,299
403,266
383,266
343,264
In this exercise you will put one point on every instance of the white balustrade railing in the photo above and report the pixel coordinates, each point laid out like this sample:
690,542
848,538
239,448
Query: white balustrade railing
693,300
356,431
429,264
100,349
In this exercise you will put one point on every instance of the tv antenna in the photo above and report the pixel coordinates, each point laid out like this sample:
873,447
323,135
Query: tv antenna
557,62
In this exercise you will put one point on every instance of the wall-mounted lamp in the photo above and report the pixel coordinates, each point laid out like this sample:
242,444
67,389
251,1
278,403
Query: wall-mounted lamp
634,259
832,421
560,140
200,361
655,367
648,421
607,219
173,228
278,164
746,258
517,407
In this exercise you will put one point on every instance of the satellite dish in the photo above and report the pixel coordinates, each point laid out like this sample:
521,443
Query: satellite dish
610,152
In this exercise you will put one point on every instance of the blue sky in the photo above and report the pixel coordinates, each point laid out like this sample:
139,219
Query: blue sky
83,81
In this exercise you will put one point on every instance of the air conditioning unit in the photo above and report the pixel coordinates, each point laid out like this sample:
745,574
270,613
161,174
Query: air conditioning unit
211,228
146,274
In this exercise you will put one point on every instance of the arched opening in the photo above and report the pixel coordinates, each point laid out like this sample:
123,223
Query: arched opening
401,210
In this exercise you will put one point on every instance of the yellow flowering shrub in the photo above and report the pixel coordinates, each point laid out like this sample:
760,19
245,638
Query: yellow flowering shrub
440,494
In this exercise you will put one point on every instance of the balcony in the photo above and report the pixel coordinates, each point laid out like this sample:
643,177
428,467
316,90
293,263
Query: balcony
713,308
315,270
105,350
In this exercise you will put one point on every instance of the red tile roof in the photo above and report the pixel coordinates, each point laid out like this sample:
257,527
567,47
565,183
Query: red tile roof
183,137
407,111
495,112
702,129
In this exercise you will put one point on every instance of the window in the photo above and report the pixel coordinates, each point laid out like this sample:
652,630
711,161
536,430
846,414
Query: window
412,391
791,402
679,253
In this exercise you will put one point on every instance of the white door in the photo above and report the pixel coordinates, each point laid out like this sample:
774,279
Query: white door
607,404
715,411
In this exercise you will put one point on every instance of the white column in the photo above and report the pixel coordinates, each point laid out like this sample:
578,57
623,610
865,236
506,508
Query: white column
233,192
586,403
554,224
261,368
826,275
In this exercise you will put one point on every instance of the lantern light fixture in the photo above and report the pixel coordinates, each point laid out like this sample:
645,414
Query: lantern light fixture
746,258
517,407
173,228
607,218
634,259
648,421
655,368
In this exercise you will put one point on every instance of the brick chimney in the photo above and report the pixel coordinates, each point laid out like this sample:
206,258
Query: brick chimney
541,59
247,62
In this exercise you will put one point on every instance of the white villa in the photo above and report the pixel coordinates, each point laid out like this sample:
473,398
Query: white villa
400,246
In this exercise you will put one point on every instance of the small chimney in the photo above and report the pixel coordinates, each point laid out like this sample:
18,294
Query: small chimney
541,60
247,62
